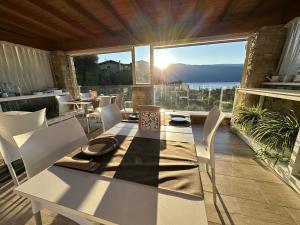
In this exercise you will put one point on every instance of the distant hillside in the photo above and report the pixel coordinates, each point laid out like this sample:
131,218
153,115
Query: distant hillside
201,73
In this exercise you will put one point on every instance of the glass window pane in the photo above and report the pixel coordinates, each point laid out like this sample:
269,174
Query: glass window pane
107,74
142,64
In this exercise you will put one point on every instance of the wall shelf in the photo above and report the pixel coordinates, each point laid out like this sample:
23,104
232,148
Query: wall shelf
289,84
293,95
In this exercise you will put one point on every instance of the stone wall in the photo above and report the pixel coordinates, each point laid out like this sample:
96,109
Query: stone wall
263,54
64,72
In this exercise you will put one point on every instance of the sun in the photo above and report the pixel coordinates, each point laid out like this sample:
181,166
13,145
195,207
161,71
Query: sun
162,60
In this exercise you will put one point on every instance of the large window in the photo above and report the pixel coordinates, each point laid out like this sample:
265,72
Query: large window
197,77
142,64
104,69
108,74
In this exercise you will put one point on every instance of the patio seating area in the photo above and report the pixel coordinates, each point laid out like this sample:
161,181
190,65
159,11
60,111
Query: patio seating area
248,192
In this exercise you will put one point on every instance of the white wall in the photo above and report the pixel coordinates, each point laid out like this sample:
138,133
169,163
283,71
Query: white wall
26,67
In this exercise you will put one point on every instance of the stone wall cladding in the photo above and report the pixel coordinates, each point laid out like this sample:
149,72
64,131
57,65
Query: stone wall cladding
263,54
63,71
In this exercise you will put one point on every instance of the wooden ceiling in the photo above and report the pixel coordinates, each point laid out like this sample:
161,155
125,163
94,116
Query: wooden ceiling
83,24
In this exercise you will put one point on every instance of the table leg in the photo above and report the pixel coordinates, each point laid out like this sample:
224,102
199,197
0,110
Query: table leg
37,218
13,174
261,101
88,124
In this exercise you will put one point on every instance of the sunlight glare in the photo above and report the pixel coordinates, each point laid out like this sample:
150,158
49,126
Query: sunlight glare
162,59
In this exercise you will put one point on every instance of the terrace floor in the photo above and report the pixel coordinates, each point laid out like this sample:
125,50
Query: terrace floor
249,193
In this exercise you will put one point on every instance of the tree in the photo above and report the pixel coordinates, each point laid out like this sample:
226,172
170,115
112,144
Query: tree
85,66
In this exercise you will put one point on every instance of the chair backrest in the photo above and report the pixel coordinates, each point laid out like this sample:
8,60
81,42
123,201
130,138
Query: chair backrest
41,148
110,116
149,117
93,94
104,100
12,125
85,96
212,122
63,108
119,101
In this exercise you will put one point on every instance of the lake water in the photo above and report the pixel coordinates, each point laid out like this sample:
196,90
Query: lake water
212,85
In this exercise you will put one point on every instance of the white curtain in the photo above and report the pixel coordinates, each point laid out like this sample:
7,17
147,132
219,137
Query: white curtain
25,67
290,58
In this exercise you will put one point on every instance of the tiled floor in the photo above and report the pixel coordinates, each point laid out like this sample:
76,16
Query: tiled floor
249,193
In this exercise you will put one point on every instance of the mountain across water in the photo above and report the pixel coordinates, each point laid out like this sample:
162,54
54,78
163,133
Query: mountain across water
200,73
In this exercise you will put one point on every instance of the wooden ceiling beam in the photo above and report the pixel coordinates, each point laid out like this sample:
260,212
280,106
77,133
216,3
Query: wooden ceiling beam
77,7
42,20
147,21
140,10
291,11
193,11
29,23
111,10
260,11
60,15
226,27
10,27
167,26
105,41
23,40
258,5
225,10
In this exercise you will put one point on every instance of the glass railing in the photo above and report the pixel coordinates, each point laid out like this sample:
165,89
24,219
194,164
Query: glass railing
183,97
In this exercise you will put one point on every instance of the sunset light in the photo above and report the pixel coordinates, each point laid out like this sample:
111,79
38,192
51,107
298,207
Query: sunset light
163,59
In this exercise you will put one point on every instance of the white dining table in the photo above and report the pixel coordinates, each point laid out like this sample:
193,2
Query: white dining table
114,201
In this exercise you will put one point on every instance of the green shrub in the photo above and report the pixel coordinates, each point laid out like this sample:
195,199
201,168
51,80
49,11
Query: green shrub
278,133
248,117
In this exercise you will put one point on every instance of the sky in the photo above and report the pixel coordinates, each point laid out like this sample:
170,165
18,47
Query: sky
223,53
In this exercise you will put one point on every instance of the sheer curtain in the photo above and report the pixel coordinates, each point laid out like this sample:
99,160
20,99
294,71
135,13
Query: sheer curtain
290,58
25,67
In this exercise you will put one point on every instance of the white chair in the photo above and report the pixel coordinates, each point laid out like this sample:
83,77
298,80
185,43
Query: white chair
11,125
41,148
205,151
119,101
104,101
93,94
110,116
149,117
96,115
66,109
85,96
